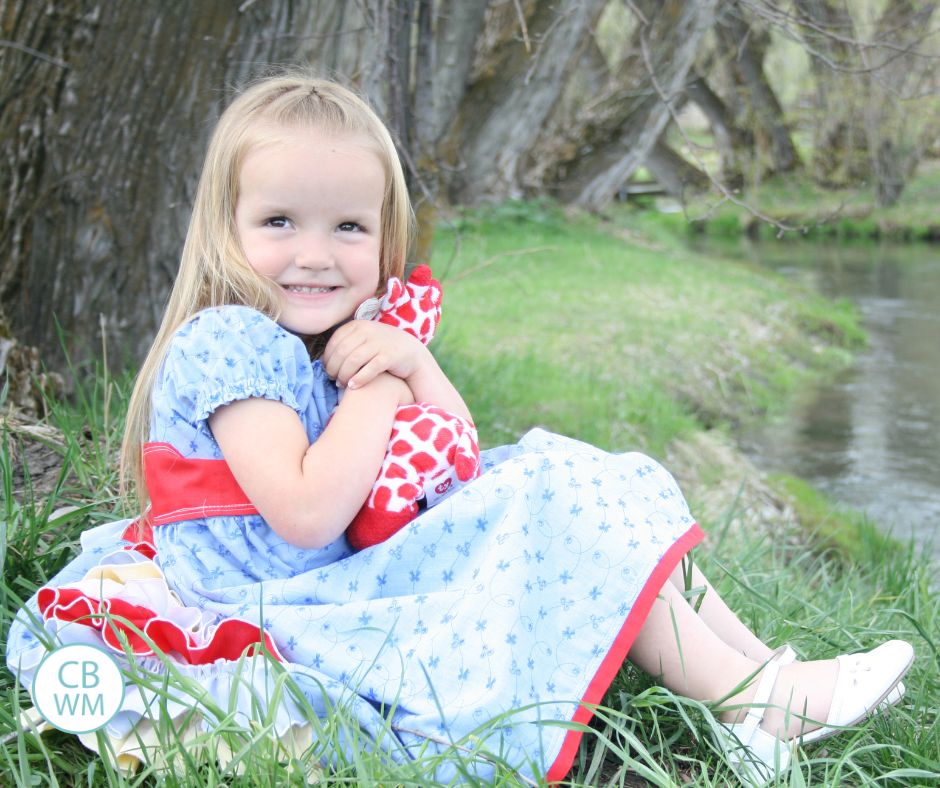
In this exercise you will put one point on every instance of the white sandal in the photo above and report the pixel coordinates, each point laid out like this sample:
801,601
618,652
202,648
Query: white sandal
756,755
867,683
785,655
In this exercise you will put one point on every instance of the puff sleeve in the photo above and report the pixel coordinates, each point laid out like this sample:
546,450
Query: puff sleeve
222,355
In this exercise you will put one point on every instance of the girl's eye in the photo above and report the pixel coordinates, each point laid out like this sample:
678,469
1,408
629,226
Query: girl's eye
277,221
351,227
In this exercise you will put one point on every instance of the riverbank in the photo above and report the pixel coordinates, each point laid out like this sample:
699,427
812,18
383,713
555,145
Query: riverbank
614,332
606,313
793,207
621,337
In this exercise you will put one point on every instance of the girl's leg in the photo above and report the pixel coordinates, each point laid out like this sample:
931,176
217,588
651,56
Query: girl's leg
719,617
678,646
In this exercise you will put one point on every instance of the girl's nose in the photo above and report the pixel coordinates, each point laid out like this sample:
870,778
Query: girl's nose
313,251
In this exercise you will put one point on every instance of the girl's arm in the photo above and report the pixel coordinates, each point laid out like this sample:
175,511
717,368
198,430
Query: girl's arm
309,493
360,350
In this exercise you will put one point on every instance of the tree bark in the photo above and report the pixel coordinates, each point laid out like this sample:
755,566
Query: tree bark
456,30
729,138
503,112
447,39
676,175
620,129
103,144
896,139
840,145
561,135
868,131
767,115
748,46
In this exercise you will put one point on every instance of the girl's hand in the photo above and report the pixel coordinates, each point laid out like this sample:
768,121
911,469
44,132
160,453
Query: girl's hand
361,350
309,493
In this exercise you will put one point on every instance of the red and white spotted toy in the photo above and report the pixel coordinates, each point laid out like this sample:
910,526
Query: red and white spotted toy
431,451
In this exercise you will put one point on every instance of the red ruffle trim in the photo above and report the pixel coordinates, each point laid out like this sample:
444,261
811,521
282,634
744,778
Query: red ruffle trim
118,619
140,535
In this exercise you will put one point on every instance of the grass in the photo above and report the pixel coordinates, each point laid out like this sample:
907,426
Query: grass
835,527
800,208
557,322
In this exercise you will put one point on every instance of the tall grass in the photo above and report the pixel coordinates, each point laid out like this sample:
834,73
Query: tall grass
786,589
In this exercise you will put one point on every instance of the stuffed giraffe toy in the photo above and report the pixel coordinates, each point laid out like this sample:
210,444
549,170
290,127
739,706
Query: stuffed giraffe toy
430,451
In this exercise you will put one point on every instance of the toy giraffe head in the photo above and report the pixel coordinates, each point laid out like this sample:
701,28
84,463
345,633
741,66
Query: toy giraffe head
414,307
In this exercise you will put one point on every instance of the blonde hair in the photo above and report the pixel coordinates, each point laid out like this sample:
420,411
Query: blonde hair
213,270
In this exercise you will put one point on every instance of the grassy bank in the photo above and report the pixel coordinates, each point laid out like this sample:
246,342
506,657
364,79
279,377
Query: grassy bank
625,340
792,206
840,528
619,338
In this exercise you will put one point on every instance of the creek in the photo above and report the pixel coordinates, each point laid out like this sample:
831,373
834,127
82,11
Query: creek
869,436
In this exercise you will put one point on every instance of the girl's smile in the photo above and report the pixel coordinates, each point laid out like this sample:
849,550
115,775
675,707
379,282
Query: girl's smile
307,290
308,217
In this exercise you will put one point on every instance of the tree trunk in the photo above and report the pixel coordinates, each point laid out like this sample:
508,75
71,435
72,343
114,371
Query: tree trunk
456,29
447,38
896,139
729,138
747,47
870,130
103,144
561,135
621,128
503,112
840,145
674,173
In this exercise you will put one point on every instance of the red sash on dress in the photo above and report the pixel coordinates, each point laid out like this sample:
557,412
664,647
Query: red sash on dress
182,488
186,489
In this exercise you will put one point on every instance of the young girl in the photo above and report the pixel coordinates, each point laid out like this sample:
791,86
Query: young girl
514,600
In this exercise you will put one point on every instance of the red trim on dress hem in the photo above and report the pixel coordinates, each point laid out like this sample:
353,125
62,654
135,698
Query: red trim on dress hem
611,663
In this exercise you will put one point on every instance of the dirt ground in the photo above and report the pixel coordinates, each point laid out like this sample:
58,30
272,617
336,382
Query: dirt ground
36,454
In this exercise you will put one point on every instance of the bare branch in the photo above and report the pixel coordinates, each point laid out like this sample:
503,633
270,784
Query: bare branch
783,21
502,255
34,52
727,194
525,31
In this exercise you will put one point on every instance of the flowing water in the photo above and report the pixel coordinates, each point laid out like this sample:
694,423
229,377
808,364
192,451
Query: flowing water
869,438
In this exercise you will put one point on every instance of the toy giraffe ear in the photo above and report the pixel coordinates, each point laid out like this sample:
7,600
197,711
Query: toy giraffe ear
368,309
395,291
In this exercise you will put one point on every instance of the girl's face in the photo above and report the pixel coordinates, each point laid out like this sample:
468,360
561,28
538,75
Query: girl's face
308,218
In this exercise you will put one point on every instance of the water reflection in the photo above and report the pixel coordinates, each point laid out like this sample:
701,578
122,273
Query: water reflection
871,437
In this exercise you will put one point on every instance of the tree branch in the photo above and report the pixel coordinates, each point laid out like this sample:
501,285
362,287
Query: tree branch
782,20
34,52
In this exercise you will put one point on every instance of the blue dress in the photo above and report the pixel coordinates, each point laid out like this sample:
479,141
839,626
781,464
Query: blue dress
509,603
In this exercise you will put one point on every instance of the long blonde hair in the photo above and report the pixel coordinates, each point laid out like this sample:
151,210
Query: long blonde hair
213,270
